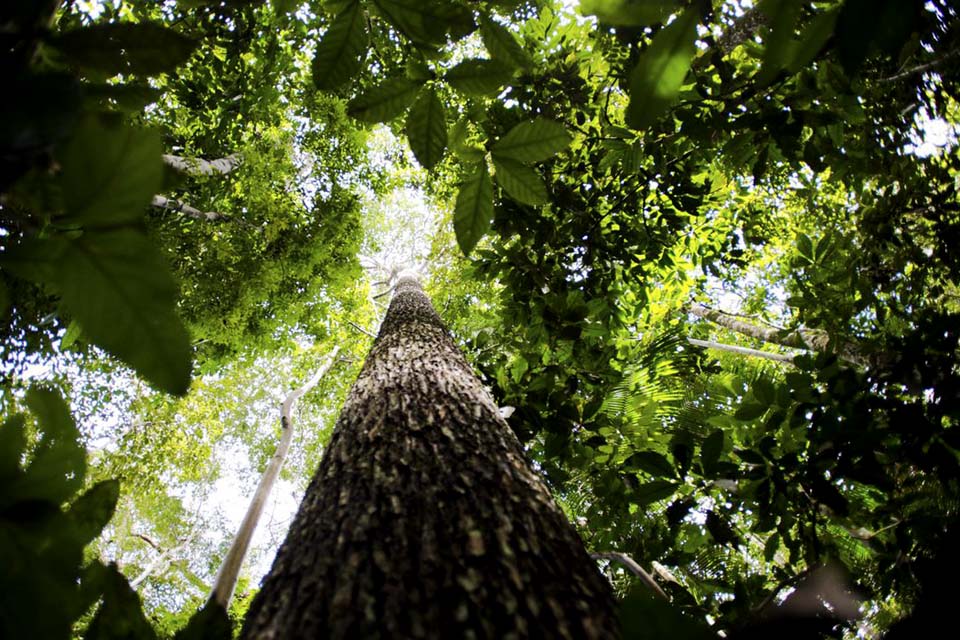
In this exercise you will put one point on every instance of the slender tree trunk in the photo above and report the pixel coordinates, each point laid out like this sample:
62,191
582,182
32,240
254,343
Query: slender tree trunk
798,338
743,351
425,519
226,580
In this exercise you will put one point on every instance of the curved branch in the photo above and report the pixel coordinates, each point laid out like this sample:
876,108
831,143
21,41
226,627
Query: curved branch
633,568
226,580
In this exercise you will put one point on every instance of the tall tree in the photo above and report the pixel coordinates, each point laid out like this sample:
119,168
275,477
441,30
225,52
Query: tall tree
425,518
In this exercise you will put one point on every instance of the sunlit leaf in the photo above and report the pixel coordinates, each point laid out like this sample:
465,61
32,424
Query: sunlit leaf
474,209
503,45
656,80
521,182
629,13
532,141
479,77
342,50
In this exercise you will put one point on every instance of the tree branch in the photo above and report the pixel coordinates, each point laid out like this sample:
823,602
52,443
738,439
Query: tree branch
178,206
743,351
226,580
198,167
633,568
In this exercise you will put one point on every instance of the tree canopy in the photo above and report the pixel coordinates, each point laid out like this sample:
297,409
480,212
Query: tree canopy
702,252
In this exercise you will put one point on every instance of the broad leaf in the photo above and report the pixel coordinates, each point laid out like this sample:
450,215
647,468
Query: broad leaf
532,141
12,443
629,13
342,50
651,462
656,80
385,101
131,97
109,173
91,512
478,77
474,208
416,19
119,290
521,182
427,129
145,48
209,623
654,491
502,45
711,449
780,45
120,616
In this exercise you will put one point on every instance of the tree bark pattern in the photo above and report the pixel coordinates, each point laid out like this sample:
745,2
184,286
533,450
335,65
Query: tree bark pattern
425,519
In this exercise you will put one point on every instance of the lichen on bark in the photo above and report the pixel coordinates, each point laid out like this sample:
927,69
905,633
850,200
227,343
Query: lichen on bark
425,518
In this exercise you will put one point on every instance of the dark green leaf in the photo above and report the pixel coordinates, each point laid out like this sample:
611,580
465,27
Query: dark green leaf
120,617
145,47
479,77
211,622
474,208
502,45
654,491
812,39
779,45
532,141
651,462
750,411
12,443
644,615
385,101
805,246
427,128
91,512
117,287
419,20
721,530
711,449
521,182
109,173
341,51
130,97
656,80
764,391
629,13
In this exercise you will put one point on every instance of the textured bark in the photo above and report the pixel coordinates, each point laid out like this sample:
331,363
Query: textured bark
162,202
226,580
425,519
199,167
797,338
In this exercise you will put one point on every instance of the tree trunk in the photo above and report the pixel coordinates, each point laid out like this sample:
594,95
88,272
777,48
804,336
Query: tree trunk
425,519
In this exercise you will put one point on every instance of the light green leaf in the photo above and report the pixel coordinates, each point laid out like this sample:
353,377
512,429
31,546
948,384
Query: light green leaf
119,290
521,182
109,173
502,45
460,144
532,141
342,49
146,48
629,13
479,77
656,80
385,101
474,208
427,128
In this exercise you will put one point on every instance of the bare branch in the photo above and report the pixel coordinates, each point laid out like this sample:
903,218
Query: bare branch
633,568
200,167
178,206
743,351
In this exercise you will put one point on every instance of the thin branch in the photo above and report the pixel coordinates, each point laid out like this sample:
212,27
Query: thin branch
933,64
634,568
178,206
226,580
360,329
743,351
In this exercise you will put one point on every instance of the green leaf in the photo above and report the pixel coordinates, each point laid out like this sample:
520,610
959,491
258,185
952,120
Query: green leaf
117,287
385,101
91,512
629,13
813,38
521,182
341,51
109,173
427,128
779,45
416,19
532,141
764,391
120,617
131,97
478,77
711,449
474,209
146,48
651,462
644,615
805,246
656,80
750,411
12,444
503,45
59,462
654,491
211,622
461,146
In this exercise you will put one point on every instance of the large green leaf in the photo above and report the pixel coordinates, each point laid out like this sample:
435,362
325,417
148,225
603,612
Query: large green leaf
211,622
780,45
656,80
427,128
651,462
12,443
654,491
341,51
474,208
478,77
145,47
116,285
419,20
120,616
532,141
521,182
109,173
91,512
629,13
502,45
385,101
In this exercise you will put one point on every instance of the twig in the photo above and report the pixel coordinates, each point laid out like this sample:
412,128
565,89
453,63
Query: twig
634,568
360,329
